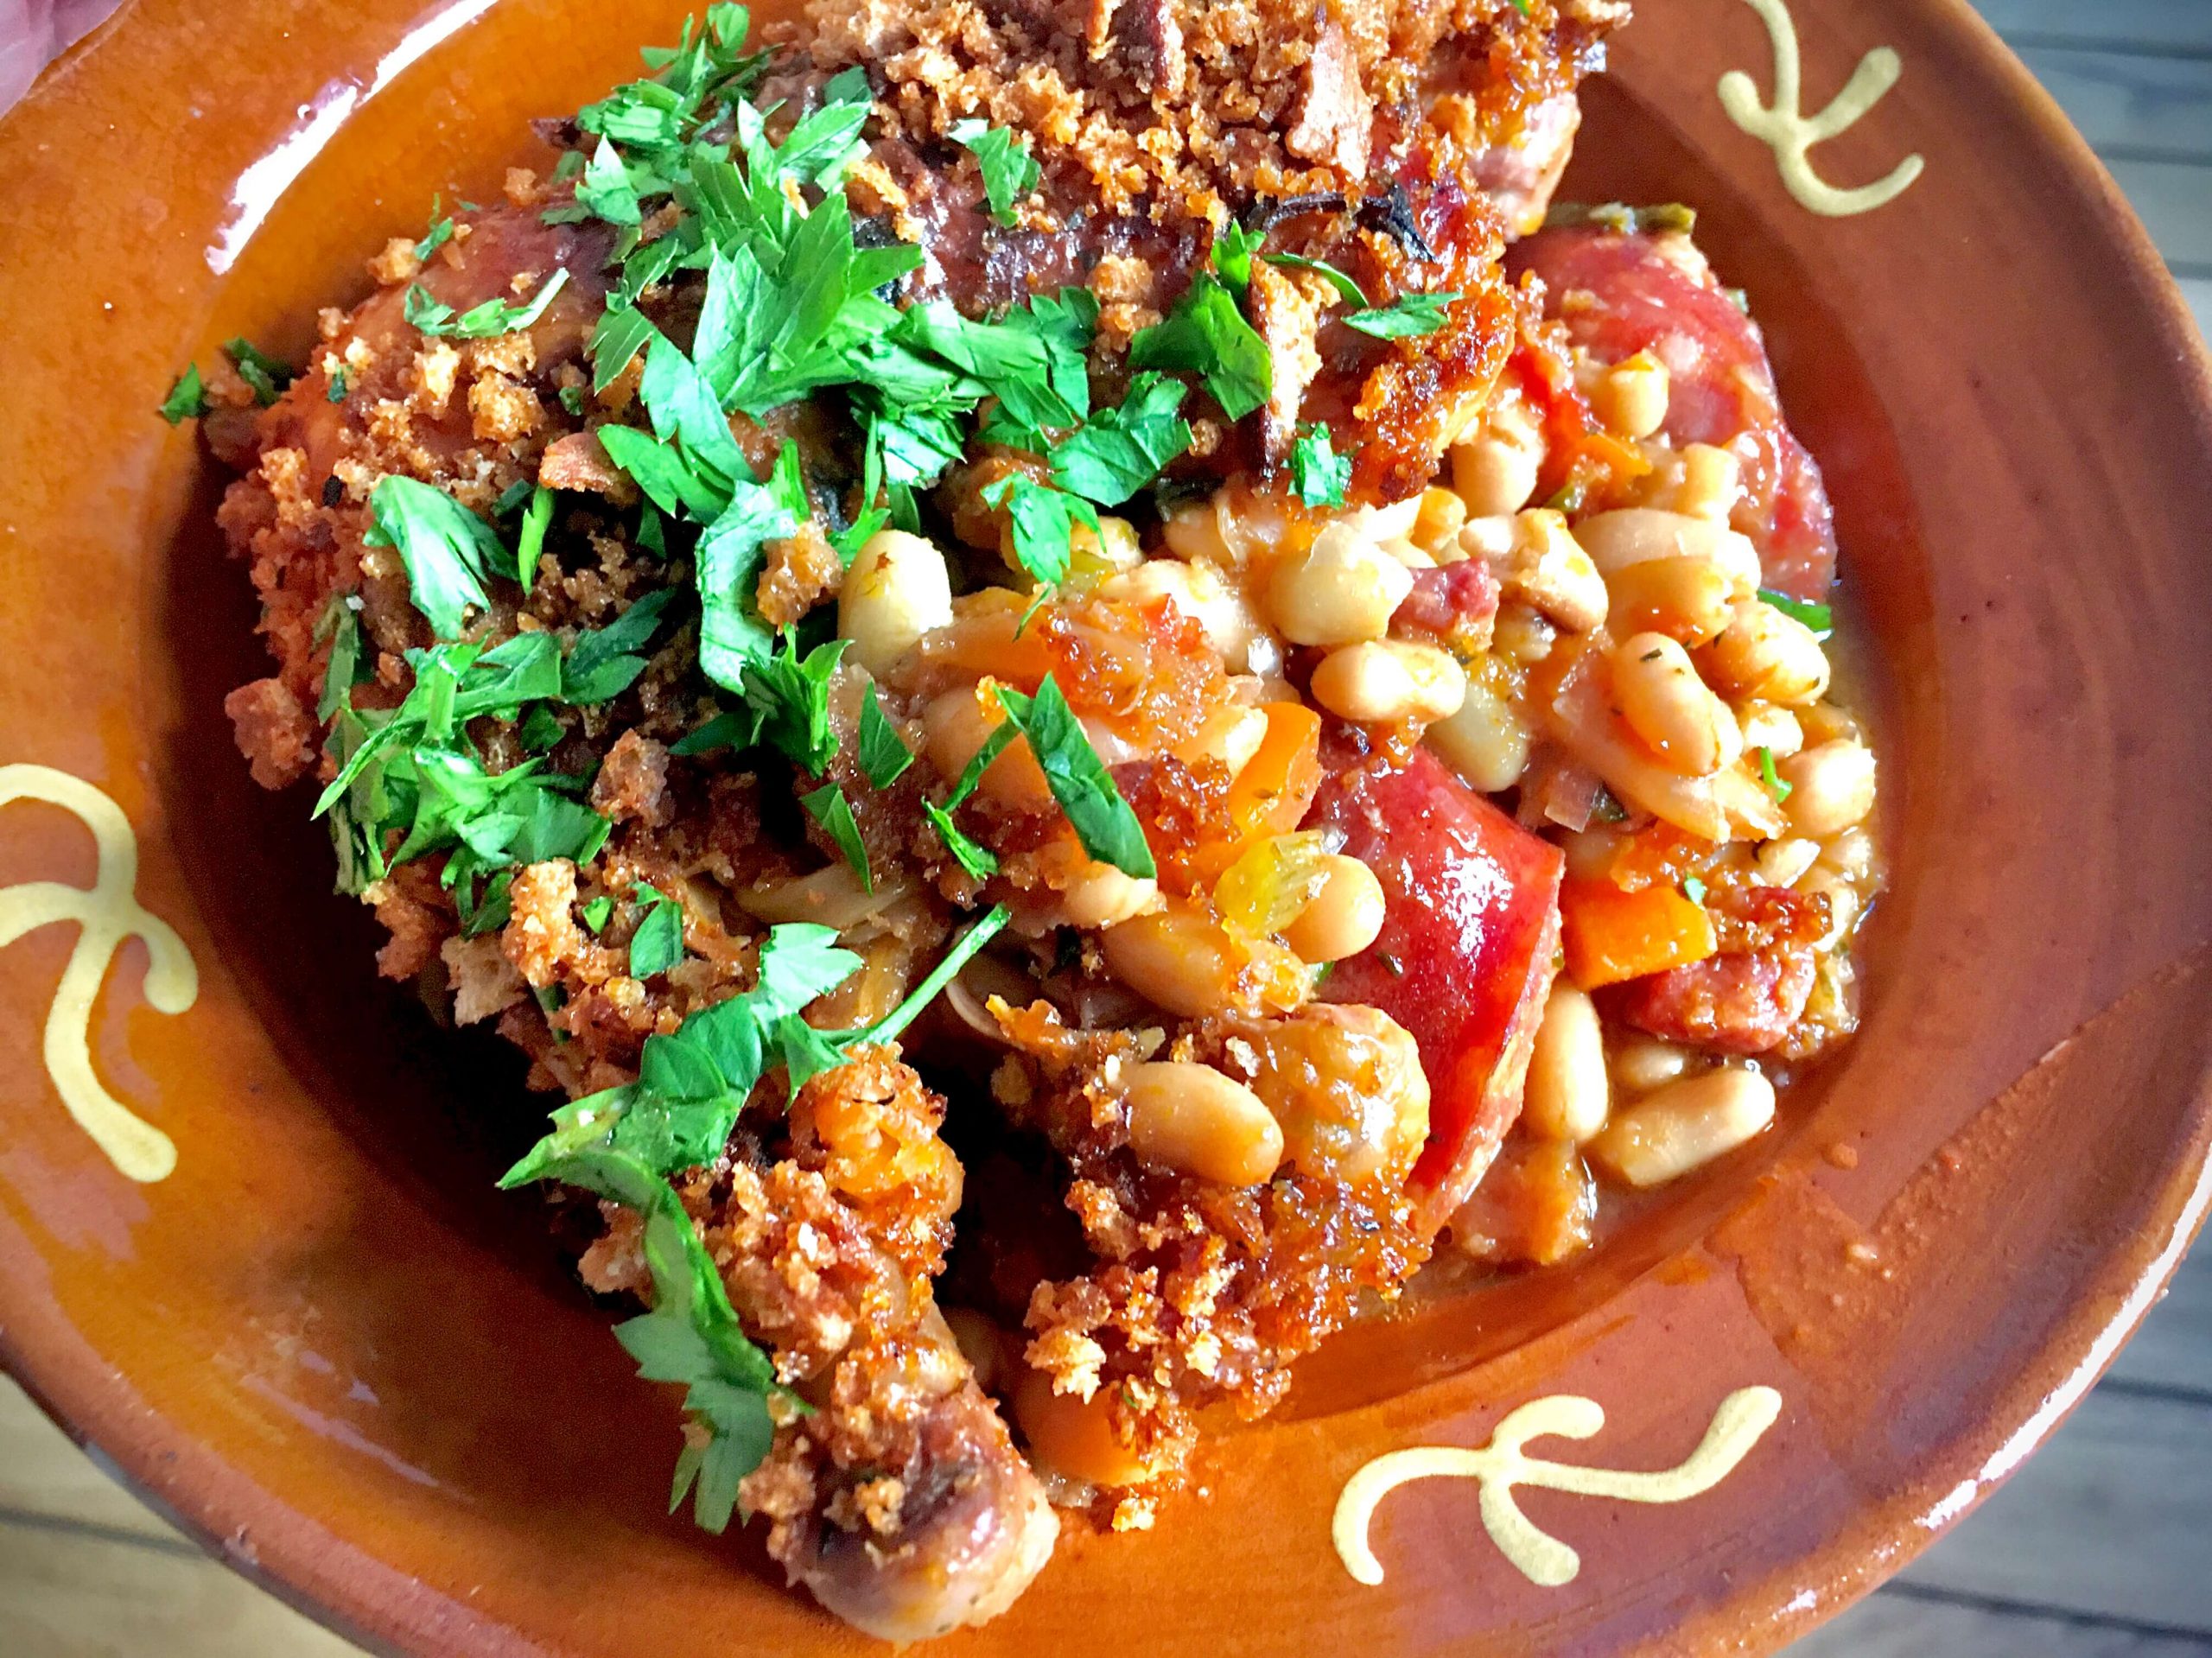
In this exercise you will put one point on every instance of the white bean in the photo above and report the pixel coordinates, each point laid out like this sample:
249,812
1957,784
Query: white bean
1102,896
1486,742
1640,1062
1231,736
1684,1125
1631,397
1567,1094
1344,918
1191,1119
1177,958
1635,535
1831,787
1549,569
1495,472
897,590
1344,590
1667,704
1772,728
1781,863
1763,653
1382,682
1197,591
1712,479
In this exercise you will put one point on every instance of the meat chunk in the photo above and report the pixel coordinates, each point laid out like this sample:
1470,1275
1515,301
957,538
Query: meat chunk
1465,956
1744,999
1620,292
1449,601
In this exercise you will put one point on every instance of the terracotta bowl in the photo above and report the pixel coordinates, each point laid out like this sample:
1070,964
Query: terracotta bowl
329,1347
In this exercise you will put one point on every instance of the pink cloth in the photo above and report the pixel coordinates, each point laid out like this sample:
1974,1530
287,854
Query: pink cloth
33,33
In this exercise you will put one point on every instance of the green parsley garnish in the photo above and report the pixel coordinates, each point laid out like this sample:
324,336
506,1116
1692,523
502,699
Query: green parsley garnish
187,398
486,321
597,912
1318,474
829,807
658,944
884,755
341,626
1010,172
1412,315
979,861
691,1337
605,190
449,552
437,236
1079,781
532,542
1774,786
1347,290
1693,889
266,375
1118,451
1044,520
1820,617
340,382
1206,334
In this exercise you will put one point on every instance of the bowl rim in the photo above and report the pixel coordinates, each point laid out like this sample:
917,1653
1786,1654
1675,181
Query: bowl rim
339,1585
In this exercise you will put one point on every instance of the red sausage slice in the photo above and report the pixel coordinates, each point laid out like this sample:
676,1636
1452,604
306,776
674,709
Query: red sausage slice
1465,957
1635,292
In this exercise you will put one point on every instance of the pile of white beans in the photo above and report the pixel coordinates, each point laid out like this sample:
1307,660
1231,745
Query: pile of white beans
1708,684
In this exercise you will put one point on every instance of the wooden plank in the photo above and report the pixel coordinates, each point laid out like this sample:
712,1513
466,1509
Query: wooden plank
2175,203
41,1472
1894,1624
2173,1350
2109,1519
68,1595
2130,103
2197,290
2146,25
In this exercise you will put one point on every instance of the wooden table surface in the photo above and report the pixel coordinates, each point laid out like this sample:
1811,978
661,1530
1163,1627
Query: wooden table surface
2101,1547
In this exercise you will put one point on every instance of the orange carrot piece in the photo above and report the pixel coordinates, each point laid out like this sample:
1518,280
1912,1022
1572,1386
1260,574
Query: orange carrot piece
1610,935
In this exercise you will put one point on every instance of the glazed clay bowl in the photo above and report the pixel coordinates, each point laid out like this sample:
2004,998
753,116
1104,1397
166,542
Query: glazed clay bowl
331,1350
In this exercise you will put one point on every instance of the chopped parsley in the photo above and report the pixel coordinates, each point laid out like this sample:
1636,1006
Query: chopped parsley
1693,889
449,551
266,375
978,861
437,236
829,807
486,321
1010,172
1118,451
1319,474
187,398
1410,315
341,383
658,944
884,755
598,911
1206,334
1044,520
532,542
1347,290
1775,785
1078,779
341,627
1820,617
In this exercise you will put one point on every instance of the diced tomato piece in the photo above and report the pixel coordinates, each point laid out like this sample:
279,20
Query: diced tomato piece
1633,294
1465,957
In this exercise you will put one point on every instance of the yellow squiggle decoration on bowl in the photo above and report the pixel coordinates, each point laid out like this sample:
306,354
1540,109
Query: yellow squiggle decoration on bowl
1791,134
1499,1466
109,914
